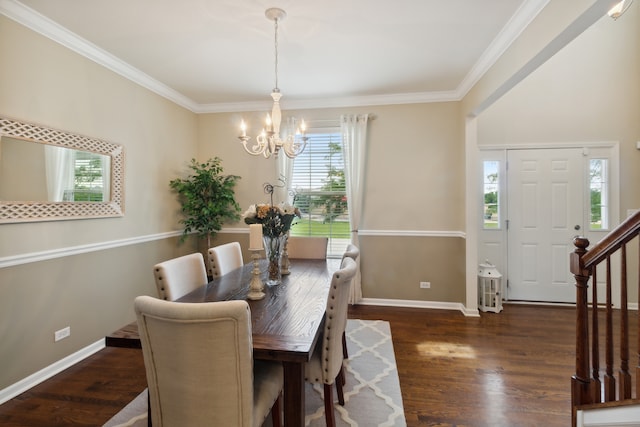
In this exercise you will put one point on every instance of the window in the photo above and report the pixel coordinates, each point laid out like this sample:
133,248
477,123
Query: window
319,182
491,184
598,194
88,179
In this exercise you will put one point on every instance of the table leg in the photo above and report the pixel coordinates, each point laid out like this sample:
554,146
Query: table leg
293,394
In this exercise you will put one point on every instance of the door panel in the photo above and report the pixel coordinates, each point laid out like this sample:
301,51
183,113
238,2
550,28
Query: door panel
545,205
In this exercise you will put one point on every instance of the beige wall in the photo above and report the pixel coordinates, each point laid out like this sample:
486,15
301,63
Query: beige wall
23,180
594,87
414,163
413,191
45,83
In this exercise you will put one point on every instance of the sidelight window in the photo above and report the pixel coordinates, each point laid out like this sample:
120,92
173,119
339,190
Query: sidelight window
598,194
491,185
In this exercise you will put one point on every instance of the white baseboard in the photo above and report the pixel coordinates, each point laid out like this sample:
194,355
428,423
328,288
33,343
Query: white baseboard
421,304
51,370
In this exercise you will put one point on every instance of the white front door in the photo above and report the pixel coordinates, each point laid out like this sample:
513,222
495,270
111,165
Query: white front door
545,212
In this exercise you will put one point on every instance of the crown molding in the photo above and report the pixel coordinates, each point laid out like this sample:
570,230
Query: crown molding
337,102
39,23
33,20
511,31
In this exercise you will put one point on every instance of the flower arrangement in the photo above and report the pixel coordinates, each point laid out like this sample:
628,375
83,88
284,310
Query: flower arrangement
276,220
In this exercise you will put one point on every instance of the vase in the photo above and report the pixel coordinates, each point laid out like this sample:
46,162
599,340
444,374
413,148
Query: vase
273,247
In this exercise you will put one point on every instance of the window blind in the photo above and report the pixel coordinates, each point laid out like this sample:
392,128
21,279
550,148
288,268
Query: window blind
319,182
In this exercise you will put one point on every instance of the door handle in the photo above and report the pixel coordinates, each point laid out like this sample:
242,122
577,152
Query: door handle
576,227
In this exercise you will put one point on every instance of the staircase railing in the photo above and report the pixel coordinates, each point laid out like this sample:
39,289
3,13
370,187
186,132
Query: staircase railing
586,386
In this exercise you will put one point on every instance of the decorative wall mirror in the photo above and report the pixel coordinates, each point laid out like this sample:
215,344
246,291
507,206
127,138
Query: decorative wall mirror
49,175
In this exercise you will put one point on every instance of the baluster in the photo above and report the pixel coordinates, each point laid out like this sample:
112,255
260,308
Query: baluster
580,382
609,379
638,334
624,375
595,346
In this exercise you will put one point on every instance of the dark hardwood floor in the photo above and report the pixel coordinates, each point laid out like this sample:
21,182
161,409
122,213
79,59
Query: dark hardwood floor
508,369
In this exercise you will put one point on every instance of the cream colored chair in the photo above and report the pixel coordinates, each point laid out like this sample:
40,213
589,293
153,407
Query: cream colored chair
326,365
224,258
352,251
179,276
199,364
307,247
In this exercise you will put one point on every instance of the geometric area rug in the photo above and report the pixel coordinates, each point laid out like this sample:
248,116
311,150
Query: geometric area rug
372,392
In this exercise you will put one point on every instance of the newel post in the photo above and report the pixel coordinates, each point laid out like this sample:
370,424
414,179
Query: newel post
580,383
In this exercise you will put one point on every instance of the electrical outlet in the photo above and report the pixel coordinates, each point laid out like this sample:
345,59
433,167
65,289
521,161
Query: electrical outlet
425,285
61,334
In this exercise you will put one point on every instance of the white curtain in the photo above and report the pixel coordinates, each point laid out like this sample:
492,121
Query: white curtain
354,137
59,171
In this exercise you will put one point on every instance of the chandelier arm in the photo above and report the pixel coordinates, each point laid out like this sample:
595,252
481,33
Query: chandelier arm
294,145
257,148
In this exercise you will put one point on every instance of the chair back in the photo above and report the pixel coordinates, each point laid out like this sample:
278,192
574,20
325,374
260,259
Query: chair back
198,360
352,252
336,320
307,247
179,276
225,258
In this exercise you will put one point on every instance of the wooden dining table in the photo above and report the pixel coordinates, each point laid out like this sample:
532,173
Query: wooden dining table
286,323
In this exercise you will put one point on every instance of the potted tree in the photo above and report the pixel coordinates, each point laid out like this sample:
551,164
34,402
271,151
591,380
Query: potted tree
207,197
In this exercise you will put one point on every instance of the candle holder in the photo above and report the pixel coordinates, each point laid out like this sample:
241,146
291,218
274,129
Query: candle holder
285,264
256,286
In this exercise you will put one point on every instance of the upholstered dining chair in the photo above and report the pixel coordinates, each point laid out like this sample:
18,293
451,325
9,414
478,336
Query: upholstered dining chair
224,258
179,276
352,252
326,364
199,364
307,247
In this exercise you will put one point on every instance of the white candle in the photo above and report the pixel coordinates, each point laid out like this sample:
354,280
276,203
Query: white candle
255,237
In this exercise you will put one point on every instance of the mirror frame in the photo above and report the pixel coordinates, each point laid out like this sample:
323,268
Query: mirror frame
17,211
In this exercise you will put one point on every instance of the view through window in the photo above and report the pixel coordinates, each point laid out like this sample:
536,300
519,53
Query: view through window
88,178
491,212
598,197
319,182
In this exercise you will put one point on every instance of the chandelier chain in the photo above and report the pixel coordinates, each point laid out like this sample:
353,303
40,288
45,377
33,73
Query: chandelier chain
276,89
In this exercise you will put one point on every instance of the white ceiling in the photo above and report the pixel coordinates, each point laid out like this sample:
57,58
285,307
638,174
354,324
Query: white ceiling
218,55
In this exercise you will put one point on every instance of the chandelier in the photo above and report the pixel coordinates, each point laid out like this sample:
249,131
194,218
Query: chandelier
269,142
